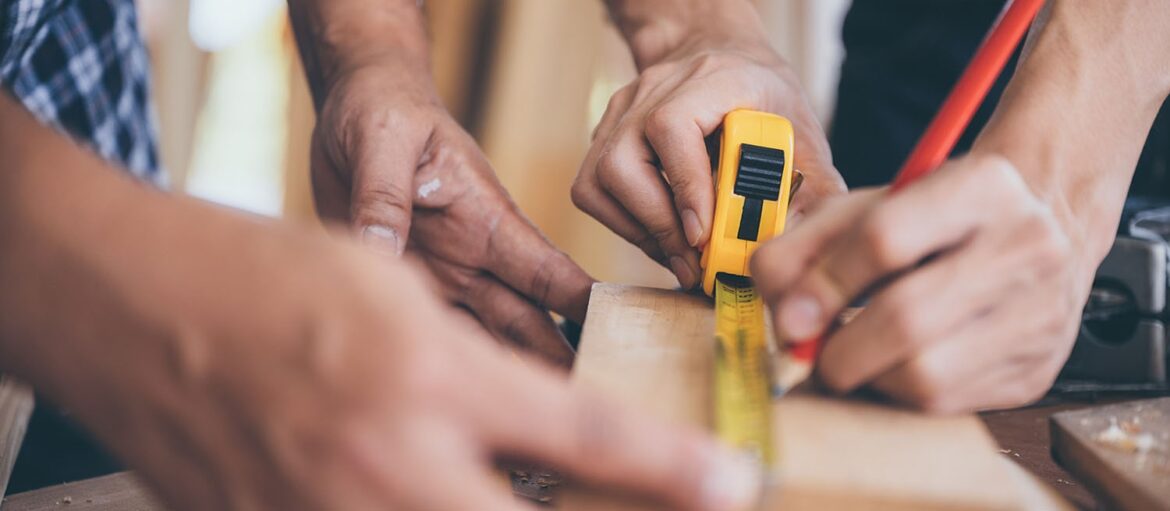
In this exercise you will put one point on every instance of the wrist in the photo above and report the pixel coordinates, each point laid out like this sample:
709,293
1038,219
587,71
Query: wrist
653,36
338,38
1077,111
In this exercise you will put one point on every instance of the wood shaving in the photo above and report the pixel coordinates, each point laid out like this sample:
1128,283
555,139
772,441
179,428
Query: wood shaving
1126,436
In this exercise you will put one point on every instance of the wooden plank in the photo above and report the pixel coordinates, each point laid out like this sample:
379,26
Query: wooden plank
1022,435
1120,450
652,349
16,405
116,492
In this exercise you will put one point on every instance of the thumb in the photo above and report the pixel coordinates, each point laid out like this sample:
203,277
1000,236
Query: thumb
381,194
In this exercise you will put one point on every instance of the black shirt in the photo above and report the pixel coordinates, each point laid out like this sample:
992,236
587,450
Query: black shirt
901,59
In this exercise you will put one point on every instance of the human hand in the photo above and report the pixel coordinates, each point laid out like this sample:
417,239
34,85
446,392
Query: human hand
647,175
366,416
241,363
975,288
389,160
350,387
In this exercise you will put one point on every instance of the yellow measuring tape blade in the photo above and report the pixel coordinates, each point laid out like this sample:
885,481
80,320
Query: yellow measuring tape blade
743,381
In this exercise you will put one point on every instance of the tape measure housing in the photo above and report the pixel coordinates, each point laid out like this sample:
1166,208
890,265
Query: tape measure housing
753,180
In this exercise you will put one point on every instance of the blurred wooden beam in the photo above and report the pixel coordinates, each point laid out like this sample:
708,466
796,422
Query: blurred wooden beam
180,84
462,33
298,191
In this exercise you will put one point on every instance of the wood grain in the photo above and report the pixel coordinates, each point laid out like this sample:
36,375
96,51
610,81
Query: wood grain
16,405
115,492
652,349
1126,477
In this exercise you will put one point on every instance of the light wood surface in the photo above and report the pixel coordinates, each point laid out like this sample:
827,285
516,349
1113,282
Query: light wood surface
16,405
1128,465
652,349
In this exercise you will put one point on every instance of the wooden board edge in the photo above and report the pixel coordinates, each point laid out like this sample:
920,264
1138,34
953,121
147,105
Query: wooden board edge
1091,470
122,491
16,406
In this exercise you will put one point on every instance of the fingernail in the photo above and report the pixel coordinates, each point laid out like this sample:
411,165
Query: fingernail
382,239
800,317
683,271
692,227
733,482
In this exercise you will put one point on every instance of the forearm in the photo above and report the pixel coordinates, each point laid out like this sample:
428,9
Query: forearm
145,314
99,269
1077,112
655,28
335,36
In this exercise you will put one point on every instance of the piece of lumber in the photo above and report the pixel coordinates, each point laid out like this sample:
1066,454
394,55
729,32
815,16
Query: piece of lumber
115,492
653,350
1122,451
16,405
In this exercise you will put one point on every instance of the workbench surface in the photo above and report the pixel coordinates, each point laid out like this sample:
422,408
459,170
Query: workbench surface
1022,435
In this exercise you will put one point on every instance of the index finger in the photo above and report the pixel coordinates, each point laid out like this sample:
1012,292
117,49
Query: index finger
781,261
677,138
903,229
524,259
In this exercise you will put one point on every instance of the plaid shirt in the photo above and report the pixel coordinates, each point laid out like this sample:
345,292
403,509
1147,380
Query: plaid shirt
81,67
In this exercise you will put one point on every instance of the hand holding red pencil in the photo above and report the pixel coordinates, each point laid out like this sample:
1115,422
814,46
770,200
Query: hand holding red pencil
973,288
806,317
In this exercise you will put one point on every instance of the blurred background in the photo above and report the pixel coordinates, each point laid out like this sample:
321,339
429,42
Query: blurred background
528,78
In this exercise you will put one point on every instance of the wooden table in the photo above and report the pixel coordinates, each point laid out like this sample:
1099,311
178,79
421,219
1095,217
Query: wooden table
1022,434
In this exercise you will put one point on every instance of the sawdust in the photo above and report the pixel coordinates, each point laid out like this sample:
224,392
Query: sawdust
1126,436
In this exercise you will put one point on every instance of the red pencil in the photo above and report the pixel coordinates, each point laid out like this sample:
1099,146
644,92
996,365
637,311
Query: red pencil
940,137
960,106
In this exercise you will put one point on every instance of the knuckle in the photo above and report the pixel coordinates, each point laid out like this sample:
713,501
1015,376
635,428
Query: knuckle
609,167
655,74
472,290
662,232
1059,325
1055,323
581,193
924,386
543,277
997,172
1054,244
881,240
936,403
684,188
658,120
619,96
382,194
708,62
1028,390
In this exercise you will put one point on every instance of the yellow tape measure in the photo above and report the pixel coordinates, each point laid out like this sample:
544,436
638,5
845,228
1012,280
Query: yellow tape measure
743,381
753,187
